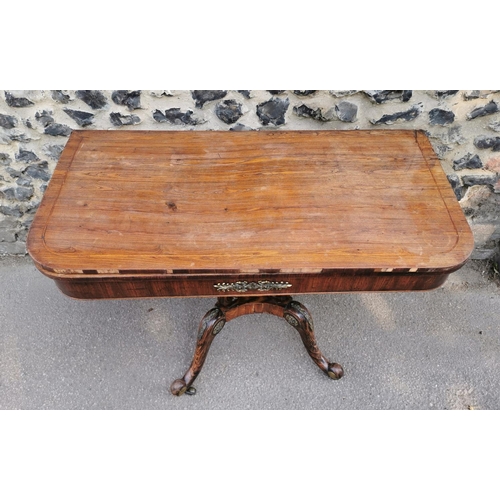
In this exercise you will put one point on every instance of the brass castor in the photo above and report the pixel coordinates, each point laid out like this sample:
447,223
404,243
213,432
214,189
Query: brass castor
179,387
335,371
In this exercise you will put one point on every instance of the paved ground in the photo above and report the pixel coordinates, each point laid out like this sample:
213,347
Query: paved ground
431,350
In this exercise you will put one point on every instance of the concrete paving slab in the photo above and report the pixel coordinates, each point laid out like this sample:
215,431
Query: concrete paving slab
424,350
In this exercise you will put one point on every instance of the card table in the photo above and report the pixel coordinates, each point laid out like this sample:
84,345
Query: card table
249,218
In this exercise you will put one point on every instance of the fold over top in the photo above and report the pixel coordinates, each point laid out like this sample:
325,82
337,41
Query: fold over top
145,202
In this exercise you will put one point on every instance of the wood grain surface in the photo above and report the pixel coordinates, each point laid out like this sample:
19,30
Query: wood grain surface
162,205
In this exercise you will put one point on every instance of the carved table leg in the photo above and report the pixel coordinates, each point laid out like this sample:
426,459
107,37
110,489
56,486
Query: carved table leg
211,324
228,308
299,317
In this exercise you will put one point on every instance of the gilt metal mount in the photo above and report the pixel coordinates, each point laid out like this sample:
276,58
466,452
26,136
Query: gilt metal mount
245,286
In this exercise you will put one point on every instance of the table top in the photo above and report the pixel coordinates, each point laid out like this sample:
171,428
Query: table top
139,202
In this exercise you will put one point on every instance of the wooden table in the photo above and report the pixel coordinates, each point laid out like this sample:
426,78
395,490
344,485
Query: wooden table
248,217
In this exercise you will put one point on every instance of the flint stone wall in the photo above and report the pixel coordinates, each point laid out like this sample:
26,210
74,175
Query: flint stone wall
463,126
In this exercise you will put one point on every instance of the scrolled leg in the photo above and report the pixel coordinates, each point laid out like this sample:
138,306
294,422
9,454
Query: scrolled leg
228,308
211,324
297,315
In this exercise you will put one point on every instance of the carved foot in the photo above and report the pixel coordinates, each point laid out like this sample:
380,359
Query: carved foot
179,387
335,371
211,324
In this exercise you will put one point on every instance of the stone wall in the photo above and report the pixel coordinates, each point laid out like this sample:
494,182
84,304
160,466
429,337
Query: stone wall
463,126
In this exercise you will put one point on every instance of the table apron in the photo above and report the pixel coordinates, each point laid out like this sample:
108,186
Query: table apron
100,287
